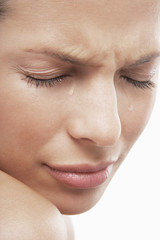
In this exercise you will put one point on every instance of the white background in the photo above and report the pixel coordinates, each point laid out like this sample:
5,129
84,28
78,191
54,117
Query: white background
130,207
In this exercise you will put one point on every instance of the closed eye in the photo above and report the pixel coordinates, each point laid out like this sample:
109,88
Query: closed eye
139,84
51,82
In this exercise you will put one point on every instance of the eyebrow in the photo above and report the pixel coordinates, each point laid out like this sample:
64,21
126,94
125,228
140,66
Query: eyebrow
145,59
60,55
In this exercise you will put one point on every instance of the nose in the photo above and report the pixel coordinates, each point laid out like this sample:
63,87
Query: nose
96,119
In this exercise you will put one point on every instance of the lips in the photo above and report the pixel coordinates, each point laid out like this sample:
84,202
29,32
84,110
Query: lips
81,176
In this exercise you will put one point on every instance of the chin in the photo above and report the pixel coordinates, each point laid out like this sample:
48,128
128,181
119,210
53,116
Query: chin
68,200
75,201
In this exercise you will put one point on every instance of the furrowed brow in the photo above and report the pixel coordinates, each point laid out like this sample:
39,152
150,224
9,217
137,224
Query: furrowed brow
83,61
61,56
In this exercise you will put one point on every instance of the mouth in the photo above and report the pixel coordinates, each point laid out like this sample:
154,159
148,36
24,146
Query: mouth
81,176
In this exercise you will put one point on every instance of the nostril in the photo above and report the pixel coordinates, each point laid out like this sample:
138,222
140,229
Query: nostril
96,133
100,127
88,140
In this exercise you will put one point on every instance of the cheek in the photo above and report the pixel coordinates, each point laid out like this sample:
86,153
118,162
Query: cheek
134,114
27,122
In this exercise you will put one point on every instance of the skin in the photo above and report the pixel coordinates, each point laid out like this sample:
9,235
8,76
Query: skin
24,214
92,116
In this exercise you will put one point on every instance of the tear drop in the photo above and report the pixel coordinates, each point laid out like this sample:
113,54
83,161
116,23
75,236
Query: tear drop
130,108
71,89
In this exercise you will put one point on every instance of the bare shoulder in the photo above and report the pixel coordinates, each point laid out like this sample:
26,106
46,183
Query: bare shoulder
24,214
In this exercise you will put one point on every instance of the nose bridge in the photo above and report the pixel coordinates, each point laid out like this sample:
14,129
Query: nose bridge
97,118
102,113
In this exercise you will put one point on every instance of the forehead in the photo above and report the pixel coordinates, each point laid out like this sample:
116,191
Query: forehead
114,28
99,12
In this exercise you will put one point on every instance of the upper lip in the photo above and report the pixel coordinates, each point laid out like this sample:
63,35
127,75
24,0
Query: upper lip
80,168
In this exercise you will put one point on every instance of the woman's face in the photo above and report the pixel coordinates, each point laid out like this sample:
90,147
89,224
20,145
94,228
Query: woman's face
77,86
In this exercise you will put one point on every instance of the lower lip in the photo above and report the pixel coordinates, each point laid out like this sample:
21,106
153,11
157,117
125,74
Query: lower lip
81,180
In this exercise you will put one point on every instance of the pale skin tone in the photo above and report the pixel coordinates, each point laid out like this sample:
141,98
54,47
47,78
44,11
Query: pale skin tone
92,114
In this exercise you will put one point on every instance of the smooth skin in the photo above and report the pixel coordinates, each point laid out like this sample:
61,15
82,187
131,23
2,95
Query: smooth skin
26,215
90,115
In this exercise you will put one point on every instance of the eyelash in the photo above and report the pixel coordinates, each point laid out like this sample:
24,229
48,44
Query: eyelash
139,84
57,80
52,82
